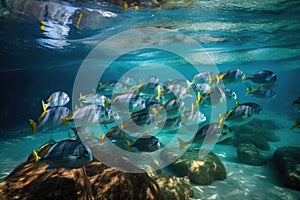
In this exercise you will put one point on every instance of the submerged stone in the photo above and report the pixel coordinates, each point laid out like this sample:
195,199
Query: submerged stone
173,187
96,182
258,140
202,171
287,159
249,154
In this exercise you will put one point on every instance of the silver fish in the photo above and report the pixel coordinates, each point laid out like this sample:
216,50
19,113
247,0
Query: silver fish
110,87
57,99
264,77
214,97
128,80
67,153
239,115
95,99
256,108
128,102
233,76
50,119
203,77
149,79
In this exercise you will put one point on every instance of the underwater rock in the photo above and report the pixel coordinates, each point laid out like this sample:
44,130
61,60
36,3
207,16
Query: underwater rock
100,182
202,171
258,140
173,187
249,154
175,4
287,159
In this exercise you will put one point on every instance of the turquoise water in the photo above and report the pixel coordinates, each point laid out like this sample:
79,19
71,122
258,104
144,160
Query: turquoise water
249,35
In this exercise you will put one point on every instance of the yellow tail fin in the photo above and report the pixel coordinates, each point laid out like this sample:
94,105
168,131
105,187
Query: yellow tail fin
244,78
128,145
64,119
198,99
102,137
36,159
181,143
236,103
33,126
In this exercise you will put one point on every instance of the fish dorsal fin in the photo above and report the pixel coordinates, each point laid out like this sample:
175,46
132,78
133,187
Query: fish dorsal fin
76,107
182,144
100,85
223,75
236,103
102,137
297,122
228,113
43,113
81,105
78,20
221,121
125,89
80,96
49,99
188,84
45,150
158,93
36,159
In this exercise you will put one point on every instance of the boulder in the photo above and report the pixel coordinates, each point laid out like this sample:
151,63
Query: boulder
203,171
94,181
287,159
249,154
258,140
173,187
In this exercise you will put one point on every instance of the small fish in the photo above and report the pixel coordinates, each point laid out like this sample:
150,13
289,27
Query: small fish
239,115
233,76
95,99
202,77
110,87
296,104
213,129
256,108
87,115
50,119
128,102
128,80
194,116
202,88
230,94
146,143
214,97
264,77
260,93
296,124
149,79
115,134
172,108
175,91
67,153
57,99
170,124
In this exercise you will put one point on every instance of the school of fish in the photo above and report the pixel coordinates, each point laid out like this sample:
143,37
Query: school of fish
137,109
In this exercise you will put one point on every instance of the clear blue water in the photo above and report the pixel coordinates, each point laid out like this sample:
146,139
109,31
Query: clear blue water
249,35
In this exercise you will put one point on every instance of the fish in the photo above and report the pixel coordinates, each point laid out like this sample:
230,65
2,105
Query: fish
230,94
50,119
115,134
224,132
151,89
68,153
172,108
264,77
296,104
183,82
95,99
260,93
110,87
146,143
175,91
193,116
256,107
202,88
170,124
128,102
239,115
202,77
58,98
149,79
234,75
296,124
87,115
128,80
214,97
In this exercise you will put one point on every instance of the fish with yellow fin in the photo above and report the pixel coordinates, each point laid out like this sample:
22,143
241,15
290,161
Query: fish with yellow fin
58,98
146,143
241,114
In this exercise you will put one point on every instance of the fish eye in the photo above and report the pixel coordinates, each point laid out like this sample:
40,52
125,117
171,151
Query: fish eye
224,133
249,115
86,152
